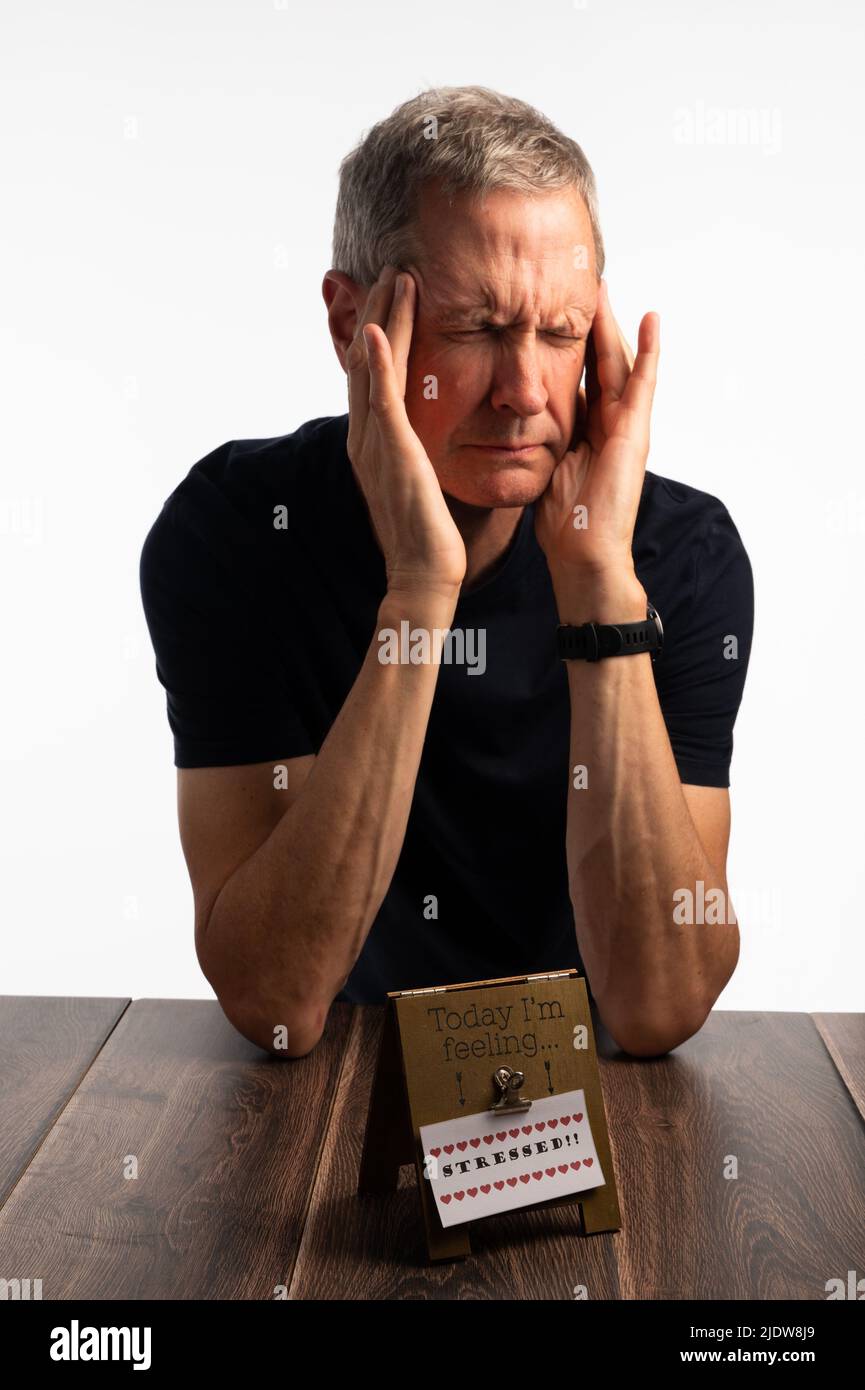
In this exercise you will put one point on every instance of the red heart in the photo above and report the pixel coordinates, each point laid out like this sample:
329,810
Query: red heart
537,1176
563,1167
565,1119
459,1196
578,1117
576,1165
542,1124
474,1143
588,1162
504,1134
513,1133
512,1182
446,1198
472,1191
485,1187
527,1129
524,1177
551,1172
435,1152
489,1138
552,1123
499,1185
462,1145
449,1148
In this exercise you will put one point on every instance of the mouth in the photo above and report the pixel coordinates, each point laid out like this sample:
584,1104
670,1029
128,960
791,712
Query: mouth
510,450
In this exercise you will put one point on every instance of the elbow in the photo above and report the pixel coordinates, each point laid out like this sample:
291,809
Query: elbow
646,1045
285,1033
281,1024
642,1037
649,1031
283,1027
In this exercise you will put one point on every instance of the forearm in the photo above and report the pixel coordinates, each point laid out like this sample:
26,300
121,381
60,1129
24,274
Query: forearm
291,921
632,846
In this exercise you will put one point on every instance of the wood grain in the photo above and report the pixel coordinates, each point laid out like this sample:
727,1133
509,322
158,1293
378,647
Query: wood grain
226,1139
756,1087
844,1035
248,1166
46,1046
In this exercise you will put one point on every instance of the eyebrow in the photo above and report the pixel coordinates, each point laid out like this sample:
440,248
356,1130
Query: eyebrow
574,315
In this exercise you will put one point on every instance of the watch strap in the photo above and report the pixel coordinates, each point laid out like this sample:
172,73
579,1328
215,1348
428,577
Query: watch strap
593,641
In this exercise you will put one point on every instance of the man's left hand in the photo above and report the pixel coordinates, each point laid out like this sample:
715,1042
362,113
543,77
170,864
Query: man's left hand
584,521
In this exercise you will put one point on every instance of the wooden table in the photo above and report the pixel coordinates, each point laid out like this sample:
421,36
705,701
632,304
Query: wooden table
247,1165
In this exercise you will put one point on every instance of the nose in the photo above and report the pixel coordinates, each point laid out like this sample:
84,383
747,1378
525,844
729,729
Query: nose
517,380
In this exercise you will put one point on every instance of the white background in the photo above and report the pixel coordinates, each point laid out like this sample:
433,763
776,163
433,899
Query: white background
169,174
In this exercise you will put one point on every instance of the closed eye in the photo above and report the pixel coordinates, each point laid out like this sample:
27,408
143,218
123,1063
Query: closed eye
494,328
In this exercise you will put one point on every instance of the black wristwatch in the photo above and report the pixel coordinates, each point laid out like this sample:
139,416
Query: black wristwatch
592,641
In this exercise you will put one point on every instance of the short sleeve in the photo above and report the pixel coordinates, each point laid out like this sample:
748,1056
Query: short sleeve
700,676
228,694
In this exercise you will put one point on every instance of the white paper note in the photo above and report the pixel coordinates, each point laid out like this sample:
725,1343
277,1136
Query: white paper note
481,1164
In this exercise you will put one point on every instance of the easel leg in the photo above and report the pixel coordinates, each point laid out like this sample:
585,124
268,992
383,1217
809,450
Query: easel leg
387,1143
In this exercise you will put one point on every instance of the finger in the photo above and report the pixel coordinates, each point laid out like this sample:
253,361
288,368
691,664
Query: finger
613,367
578,432
594,431
593,386
356,358
400,324
626,347
582,414
386,400
640,390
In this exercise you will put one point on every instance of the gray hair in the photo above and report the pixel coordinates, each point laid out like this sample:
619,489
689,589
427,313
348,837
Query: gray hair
469,138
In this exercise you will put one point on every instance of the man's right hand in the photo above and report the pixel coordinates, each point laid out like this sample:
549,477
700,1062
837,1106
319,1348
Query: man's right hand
423,549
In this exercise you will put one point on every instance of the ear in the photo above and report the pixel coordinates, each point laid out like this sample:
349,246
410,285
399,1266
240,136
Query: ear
345,301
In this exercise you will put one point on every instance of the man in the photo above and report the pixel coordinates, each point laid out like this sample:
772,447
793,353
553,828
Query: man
391,774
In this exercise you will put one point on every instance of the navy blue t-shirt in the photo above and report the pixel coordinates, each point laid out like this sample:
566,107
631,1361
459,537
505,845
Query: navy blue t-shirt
260,631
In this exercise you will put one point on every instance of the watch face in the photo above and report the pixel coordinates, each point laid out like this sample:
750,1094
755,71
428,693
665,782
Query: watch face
652,612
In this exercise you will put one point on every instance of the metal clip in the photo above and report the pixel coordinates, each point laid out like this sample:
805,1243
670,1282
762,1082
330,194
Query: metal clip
508,1083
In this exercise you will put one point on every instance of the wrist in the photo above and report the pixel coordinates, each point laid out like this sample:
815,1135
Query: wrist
430,607
599,596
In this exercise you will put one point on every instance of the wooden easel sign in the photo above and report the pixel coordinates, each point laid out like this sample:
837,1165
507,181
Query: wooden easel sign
492,1089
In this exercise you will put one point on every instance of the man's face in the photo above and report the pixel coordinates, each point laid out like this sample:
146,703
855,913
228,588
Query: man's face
506,297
